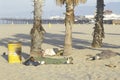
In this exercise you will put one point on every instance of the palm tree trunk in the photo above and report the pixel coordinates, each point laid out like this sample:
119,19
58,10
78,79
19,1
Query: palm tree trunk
98,29
37,32
69,19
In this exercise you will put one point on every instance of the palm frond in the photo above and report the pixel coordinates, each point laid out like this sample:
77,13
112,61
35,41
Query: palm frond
76,2
60,2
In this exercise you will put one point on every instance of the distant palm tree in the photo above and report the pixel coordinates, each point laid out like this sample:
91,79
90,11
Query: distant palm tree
98,29
37,32
69,20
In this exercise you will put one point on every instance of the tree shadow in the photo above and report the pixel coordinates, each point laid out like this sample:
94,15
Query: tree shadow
112,34
81,43
106,45
58,41
55,40
23,55
23,38
5,57
77,33
80,33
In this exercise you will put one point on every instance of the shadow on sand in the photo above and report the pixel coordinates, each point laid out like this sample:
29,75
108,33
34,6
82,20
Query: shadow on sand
25,39
55,40
23,55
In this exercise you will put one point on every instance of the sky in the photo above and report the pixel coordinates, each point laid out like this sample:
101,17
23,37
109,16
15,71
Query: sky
24,8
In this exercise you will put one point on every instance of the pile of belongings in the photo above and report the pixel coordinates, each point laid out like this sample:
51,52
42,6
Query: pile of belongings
105,54
53,52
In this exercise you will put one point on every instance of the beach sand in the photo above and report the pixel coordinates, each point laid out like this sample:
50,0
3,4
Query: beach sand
82,69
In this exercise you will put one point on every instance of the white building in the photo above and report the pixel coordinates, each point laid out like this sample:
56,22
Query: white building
106,17
112,17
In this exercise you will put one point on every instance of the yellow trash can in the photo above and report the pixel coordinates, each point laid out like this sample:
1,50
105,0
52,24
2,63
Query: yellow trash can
14,52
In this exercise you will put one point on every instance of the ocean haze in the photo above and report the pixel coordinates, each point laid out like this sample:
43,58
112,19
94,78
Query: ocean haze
24,8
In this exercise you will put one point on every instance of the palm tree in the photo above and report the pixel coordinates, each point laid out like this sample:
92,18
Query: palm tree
98,29
37,32
69,20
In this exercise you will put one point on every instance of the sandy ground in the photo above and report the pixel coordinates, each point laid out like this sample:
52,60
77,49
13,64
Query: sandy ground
54,38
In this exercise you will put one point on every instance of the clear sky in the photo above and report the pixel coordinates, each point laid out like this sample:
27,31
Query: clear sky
24,8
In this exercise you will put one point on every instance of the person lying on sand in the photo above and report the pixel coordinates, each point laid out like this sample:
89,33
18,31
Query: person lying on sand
45,60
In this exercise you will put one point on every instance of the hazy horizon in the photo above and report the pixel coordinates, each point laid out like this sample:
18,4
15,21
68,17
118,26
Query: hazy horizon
24,8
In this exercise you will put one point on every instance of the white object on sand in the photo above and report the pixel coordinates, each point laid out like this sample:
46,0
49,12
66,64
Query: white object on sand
49,52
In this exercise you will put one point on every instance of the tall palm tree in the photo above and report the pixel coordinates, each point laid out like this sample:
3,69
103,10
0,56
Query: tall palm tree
37,32
69,20
98,29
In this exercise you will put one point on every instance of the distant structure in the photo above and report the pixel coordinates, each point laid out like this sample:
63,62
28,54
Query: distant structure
107,12
109,18
52,20
28,21
15,21
57,17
